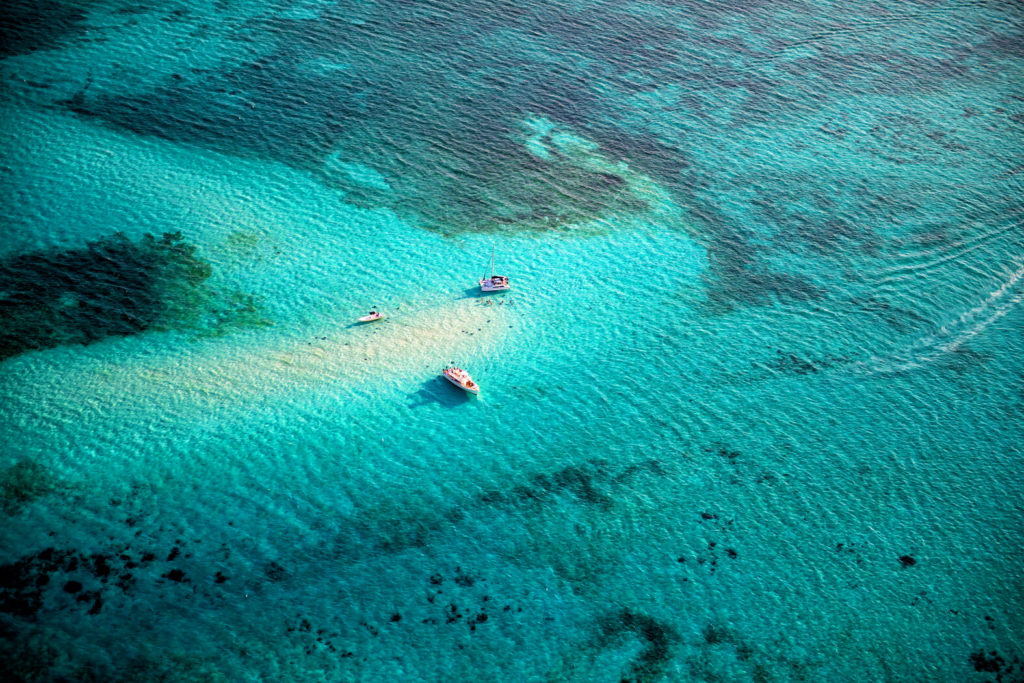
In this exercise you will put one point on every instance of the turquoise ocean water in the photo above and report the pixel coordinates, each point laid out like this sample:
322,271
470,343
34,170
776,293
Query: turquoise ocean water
752,410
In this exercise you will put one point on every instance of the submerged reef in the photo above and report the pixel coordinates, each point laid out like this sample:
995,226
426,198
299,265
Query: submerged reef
29,658
650,662
993,663
64,579
507,118
30,25
592,486
111,287
22,483
519,141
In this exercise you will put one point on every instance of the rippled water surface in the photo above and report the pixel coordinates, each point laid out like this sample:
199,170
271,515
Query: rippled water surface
751,411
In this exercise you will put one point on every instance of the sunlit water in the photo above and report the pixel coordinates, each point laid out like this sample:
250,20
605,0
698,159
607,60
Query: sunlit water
751,411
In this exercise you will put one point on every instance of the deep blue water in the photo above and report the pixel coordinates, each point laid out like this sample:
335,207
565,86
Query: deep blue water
751,412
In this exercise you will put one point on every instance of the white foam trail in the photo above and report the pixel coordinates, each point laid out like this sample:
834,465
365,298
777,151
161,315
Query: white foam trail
950,337
954,251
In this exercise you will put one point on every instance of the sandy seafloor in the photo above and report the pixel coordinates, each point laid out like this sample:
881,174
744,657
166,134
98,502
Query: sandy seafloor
752,410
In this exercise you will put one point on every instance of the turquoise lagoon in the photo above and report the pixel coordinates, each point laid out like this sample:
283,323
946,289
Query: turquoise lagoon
751,412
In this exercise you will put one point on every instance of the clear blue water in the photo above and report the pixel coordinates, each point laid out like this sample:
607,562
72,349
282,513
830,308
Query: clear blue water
751,412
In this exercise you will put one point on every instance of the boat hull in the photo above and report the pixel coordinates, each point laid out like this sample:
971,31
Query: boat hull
370,318
475,389
489,286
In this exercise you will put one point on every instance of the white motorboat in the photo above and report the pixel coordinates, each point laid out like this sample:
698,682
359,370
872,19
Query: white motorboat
494,283
373,315
461,379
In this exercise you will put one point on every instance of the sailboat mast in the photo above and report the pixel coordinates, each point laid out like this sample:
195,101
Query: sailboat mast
492,262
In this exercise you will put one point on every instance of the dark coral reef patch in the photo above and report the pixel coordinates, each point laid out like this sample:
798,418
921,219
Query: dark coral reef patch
30,25
1004,671
114,286
48,579
594,485
650,663
591,483
24,482
111,287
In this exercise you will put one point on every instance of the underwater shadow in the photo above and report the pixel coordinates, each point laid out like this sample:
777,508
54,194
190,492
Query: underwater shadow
437,390
477,293
368,323
473,293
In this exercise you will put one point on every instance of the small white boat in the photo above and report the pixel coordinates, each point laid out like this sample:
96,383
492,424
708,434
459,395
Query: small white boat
494,283
373,315
461,379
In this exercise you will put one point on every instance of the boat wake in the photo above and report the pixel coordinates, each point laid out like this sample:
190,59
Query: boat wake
949,338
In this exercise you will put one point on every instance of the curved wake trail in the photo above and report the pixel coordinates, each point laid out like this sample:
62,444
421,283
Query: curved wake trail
950,337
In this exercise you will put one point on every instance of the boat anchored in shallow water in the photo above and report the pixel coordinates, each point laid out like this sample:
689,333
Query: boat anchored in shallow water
494,283
461,379
371,316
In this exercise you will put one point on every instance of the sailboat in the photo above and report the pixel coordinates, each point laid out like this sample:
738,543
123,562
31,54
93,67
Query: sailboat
494,283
